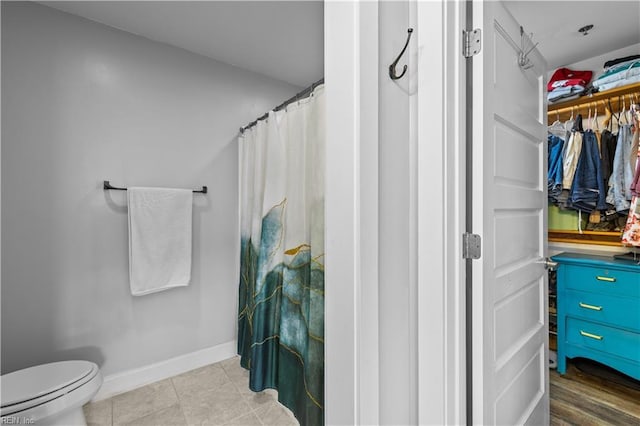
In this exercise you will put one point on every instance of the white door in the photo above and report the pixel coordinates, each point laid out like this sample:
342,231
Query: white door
509,343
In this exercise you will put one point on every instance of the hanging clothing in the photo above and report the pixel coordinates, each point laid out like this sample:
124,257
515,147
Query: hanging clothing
555,148
281,294
588,189
631,233
571,157
635,184
619,194
633,155
607,152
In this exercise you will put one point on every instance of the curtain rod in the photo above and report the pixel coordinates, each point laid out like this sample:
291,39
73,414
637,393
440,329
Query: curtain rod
283,105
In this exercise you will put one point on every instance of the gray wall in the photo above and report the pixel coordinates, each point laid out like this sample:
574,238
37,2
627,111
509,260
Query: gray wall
82,102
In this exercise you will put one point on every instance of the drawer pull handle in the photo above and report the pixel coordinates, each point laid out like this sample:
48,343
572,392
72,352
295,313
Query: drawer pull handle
607,279
592,307
593,336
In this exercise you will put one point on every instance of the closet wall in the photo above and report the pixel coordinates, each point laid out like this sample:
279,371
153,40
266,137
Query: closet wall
83,102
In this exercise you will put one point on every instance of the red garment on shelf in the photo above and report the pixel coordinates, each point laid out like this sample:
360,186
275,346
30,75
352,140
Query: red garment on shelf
567,74
567,83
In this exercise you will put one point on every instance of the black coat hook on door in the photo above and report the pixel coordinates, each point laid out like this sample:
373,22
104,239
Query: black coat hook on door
392,67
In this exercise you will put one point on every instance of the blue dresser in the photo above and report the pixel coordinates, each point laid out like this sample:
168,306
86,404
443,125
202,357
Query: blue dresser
598,306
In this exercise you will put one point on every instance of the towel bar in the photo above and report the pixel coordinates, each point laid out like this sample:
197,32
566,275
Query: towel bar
107,185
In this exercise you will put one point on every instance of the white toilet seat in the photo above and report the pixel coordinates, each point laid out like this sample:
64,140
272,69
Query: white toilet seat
45,390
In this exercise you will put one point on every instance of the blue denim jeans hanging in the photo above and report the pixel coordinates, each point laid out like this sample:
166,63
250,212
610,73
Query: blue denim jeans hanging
622,175
554,175
588,191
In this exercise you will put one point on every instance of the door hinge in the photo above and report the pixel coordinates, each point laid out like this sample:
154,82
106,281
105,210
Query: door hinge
471,246
471,42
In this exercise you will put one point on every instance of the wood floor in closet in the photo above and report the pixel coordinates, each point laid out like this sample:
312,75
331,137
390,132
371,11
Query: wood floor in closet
591,394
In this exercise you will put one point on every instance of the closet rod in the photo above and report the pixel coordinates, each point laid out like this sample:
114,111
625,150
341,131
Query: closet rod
283,105
107,185
580,109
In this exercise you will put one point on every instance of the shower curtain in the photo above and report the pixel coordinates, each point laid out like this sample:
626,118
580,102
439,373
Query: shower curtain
281,295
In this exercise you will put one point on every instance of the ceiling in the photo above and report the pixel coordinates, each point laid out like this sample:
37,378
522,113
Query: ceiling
284,39
280,39
555,25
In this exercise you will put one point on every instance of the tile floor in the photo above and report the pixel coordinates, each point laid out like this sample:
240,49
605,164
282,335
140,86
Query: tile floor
217,394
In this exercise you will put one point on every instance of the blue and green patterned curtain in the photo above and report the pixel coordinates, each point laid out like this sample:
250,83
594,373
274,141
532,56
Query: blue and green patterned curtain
281,295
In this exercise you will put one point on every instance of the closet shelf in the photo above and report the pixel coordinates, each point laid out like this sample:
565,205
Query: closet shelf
564,109
586,237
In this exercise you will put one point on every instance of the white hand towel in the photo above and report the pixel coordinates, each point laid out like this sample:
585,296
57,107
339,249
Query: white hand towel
159,239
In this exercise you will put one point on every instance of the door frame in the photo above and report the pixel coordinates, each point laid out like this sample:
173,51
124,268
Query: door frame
352,73
442,307
441,182
351,213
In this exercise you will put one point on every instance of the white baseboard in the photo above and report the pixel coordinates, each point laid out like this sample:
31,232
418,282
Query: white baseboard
118,383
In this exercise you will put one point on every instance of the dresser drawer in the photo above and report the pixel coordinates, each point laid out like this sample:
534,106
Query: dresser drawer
613,310
601,280
600,337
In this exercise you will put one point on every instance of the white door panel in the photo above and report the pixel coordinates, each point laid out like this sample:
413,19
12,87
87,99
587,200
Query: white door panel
510,375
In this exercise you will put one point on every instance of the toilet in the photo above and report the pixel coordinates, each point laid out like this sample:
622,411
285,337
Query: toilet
49,394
